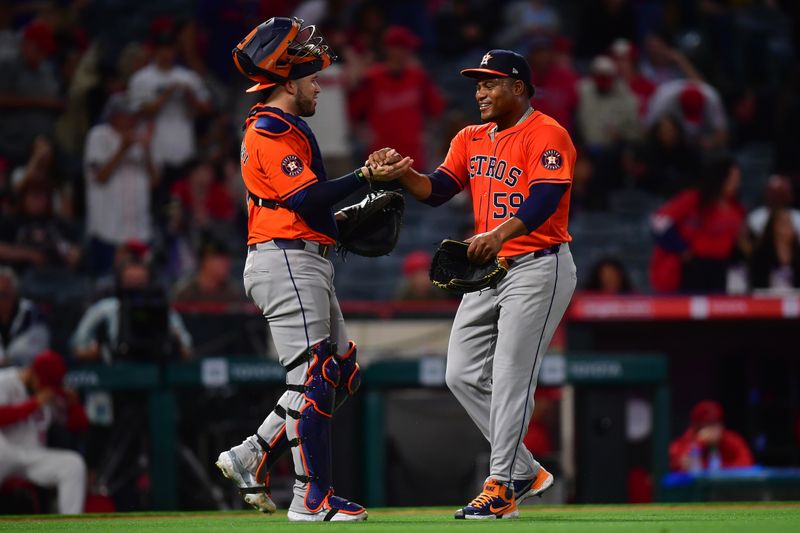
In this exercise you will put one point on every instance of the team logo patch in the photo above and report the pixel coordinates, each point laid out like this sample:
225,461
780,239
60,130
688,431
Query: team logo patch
551,160
291,165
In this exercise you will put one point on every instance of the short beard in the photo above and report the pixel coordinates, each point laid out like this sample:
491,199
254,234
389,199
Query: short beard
305,106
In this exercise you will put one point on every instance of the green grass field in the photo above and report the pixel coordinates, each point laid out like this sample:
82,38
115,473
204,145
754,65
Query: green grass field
706,518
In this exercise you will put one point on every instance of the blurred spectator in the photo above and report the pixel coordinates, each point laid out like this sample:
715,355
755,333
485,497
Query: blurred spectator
119,176
131,250
544,423
527,18
30,399
98,333
202,195
170,95
367,30
697,232
779,195
625,56
608,276
332,121
212,282
775,263
698,108
665,163
460,28
556,93
607,109
29,93
39,165
201,205
603,21
396,97
416,283
34,236
707,445
23,331
662,63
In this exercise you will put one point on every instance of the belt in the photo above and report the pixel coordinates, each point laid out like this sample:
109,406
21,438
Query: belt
547,251
293,244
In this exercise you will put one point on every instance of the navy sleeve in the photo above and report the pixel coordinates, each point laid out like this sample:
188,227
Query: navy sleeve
315,203
541,204
323,195
443,187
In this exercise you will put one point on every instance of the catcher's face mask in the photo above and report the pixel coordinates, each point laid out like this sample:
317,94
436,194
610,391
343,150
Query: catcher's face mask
279,50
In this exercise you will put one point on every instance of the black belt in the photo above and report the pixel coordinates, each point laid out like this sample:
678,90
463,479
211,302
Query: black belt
547,251
263,202
296,244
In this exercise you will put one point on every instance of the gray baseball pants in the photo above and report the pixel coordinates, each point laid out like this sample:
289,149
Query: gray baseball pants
497,344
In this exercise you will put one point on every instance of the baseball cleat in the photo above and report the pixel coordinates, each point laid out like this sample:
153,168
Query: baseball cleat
495,501
253,493
525,488
333,509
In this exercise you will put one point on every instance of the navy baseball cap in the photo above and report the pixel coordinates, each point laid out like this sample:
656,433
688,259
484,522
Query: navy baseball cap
502,64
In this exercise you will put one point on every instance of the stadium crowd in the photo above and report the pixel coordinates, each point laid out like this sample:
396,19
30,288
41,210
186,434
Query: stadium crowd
119,143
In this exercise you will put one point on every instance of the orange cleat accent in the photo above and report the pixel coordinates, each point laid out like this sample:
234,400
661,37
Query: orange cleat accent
497,500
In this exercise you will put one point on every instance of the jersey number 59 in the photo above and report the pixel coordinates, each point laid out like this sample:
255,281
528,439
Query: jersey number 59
503,201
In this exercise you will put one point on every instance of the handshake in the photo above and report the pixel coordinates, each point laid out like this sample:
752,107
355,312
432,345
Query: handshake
386,164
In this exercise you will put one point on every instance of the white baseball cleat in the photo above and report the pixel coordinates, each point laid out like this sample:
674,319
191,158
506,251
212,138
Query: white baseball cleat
334,509
253,493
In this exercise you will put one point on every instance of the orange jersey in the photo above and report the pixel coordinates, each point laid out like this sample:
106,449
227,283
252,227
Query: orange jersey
500,167
277,162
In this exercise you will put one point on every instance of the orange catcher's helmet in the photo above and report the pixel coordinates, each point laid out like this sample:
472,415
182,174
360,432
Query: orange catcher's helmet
279,50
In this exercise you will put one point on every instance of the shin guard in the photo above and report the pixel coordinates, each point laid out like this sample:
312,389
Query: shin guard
312,424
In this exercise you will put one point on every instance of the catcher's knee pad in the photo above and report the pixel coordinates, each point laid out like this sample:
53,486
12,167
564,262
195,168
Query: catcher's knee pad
350,374
313,423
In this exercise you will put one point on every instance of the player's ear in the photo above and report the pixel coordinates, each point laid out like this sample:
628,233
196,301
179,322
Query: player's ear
291,87
519,88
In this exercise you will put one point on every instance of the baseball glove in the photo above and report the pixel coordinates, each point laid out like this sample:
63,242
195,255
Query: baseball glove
452,271
372,226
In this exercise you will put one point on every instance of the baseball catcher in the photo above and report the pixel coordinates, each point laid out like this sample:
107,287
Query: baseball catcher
287,274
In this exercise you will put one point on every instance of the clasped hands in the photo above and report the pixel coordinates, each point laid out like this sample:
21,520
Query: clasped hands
386,165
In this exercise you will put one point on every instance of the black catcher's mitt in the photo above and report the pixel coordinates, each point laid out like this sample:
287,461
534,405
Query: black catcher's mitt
452,271
372,226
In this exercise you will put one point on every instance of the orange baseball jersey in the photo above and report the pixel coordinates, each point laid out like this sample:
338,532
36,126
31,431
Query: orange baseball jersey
276,160
500,167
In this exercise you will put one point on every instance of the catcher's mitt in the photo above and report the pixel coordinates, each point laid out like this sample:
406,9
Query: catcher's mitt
452,271
372,226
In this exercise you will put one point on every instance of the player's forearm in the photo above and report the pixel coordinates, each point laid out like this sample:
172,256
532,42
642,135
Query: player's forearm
511,229
419,185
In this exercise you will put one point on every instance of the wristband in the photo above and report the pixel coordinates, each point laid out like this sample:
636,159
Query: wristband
361,176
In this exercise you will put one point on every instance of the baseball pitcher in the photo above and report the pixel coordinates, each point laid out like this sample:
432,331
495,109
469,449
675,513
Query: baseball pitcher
518,165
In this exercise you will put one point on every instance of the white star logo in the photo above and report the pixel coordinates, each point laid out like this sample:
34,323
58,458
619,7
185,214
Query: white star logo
486,59
292,166
551,160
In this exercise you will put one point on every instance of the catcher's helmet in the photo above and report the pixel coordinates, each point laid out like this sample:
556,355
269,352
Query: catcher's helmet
279,50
